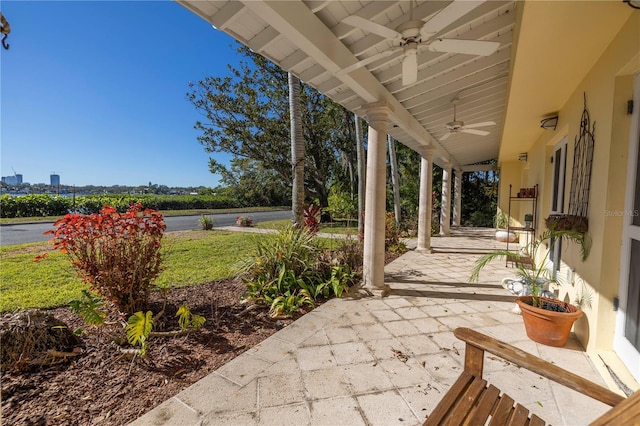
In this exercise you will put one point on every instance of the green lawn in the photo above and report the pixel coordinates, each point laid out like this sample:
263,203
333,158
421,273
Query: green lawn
192,257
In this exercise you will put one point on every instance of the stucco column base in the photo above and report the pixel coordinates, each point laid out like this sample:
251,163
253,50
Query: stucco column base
379,292
372,292
424,250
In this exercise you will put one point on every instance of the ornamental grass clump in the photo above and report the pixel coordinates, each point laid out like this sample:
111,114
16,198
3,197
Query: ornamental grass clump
290,270
116,254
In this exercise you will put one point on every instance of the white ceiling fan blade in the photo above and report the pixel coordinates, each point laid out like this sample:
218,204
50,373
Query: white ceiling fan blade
372,27
368,60
475,132
409,68
483,124
469,47
449,15
445,137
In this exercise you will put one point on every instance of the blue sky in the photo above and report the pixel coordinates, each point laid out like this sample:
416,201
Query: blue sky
96,92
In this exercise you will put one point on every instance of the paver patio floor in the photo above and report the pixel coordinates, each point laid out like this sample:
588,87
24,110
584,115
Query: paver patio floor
385,361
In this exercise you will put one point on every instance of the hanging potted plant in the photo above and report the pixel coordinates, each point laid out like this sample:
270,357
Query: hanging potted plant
547,321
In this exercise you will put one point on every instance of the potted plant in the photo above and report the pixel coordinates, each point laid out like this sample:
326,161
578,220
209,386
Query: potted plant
502,225
547,321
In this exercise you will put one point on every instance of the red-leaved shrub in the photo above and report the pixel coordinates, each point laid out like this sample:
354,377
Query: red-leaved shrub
117,255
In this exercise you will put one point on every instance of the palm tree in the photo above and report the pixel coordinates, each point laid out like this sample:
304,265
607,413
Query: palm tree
297,151
361,173
536,274
395,178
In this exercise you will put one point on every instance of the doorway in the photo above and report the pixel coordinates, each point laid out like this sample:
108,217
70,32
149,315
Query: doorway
627,336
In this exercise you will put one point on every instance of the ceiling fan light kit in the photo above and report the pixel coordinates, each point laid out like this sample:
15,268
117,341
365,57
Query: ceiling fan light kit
413,33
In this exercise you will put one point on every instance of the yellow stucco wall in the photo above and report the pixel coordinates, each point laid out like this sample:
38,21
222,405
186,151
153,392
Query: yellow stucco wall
510,173
608,85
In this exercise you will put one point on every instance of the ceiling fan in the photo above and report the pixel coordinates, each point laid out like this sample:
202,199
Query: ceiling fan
413,33
457,126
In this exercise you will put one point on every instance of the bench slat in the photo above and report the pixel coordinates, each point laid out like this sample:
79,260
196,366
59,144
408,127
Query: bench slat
467,401
536,421
520,416
448,400
485,406
503,411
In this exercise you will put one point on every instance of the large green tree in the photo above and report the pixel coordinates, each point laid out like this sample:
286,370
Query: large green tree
246,114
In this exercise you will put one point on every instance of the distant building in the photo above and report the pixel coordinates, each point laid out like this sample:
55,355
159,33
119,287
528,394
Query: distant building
55,180
12,180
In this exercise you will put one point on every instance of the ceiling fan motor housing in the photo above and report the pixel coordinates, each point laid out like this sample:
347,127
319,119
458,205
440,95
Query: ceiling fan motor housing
455,125
410,31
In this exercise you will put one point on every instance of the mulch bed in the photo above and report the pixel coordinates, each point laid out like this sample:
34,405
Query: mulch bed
104,387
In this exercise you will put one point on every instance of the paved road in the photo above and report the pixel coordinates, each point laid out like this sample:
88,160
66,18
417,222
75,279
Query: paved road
32,232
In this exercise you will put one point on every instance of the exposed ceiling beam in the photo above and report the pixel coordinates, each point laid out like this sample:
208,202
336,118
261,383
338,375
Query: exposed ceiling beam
297,23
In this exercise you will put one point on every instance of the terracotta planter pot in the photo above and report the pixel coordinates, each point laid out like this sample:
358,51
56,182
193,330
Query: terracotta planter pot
548,327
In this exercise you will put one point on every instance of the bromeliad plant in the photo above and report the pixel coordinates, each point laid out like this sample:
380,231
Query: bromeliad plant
117,255
533,272
311,218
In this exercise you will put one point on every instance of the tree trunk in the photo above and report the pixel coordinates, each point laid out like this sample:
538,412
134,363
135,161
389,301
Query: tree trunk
395,179
297,152
362,165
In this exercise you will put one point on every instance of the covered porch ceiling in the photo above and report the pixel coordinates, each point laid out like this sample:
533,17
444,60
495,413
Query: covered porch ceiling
514,88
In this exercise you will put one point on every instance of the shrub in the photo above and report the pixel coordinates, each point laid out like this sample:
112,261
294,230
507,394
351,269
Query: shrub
117,255
350,252
206,222
36,205
342,204
392,241
280,273
244,221
292,249
289,271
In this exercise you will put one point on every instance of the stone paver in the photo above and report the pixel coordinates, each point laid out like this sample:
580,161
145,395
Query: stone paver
384,361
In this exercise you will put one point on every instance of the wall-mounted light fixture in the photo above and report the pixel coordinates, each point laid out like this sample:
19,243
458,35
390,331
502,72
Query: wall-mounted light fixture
549,123
523,156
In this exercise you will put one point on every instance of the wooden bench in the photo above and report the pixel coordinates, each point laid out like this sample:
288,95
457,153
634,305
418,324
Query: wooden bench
471,401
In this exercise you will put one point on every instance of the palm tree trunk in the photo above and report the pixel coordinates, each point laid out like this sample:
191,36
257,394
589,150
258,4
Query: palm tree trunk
362,166
395,178
297,152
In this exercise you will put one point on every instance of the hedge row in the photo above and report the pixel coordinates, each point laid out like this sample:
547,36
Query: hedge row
52,205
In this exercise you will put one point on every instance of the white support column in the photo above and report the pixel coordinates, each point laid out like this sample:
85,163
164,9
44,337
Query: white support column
457,197
375,198
425,204
445,219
